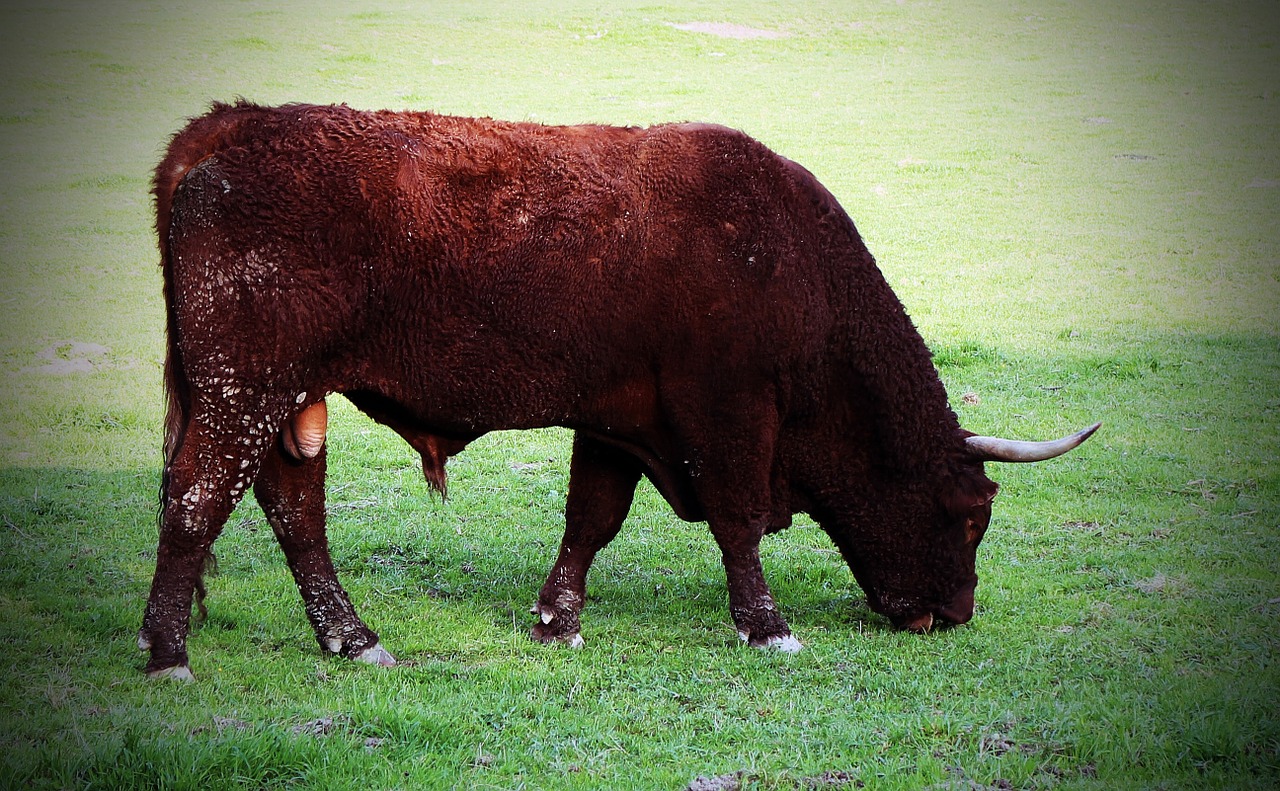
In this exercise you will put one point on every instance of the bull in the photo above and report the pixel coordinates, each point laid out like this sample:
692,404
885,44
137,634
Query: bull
697,309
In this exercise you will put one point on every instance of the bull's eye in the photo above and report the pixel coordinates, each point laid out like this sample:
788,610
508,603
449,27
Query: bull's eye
972,533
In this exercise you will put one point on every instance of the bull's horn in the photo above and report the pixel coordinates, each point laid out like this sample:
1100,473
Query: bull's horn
996,449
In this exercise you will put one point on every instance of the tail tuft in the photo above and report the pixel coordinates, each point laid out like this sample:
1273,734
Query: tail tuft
208,567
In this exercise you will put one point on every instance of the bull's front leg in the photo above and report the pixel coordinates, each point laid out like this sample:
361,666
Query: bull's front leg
602,483
291,493
751,603
733,476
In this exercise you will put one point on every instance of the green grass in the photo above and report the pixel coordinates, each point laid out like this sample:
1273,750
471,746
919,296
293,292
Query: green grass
1076,201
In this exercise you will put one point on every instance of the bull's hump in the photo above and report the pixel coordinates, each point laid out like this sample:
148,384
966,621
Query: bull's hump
700,127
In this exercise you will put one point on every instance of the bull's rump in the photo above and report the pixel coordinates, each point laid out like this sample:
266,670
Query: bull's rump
486,275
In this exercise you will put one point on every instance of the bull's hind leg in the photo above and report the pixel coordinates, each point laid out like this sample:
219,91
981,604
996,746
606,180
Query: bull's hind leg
291,493
602,483
204,481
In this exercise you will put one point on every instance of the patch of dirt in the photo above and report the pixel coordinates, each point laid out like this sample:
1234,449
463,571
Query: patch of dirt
960,782
63,367
994,743
71,350
72,357
230,723
224,724
730,782
737,780
729,30
1076,524
1170,586
832,779
322,726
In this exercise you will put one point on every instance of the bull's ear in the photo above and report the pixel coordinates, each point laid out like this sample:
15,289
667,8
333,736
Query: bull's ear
970,491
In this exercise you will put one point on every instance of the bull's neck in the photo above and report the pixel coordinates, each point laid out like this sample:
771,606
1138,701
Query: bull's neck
911,420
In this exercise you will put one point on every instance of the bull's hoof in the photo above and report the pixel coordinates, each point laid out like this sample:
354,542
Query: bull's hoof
544,636
556,626
785,643
376,655
176,673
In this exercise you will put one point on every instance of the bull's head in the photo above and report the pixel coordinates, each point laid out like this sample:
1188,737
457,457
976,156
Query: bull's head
921,571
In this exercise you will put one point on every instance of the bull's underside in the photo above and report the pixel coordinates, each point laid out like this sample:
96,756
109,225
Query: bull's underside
696,308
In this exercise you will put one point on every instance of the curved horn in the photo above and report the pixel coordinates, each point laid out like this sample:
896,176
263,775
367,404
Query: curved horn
996,449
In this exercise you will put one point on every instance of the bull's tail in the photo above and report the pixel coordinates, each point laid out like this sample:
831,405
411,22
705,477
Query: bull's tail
201,138
177,396
177,415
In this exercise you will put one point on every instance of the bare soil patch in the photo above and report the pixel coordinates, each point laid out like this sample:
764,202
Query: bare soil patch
71,357
729,30
729,782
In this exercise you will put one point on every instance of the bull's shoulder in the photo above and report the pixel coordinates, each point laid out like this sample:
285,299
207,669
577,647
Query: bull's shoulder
708,140
714,161
708,129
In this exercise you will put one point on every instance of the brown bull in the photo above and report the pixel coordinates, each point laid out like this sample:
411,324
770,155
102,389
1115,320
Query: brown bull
699,310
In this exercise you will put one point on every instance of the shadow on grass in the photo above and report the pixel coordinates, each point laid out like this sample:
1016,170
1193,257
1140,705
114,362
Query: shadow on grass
77,552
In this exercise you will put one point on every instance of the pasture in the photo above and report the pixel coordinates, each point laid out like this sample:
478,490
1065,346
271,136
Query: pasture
1076,201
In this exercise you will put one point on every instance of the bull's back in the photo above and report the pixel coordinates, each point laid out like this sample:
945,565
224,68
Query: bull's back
599,258
487,264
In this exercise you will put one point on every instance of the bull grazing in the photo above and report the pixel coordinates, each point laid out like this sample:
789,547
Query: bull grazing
697,309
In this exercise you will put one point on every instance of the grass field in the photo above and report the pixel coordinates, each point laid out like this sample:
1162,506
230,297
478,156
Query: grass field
1077,201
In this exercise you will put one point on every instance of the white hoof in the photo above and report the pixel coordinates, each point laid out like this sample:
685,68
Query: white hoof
787,644
177,673
376,655
576,641
144,643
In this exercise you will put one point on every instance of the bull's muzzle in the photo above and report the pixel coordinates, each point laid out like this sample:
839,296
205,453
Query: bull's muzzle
920,624
956,612
960,609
